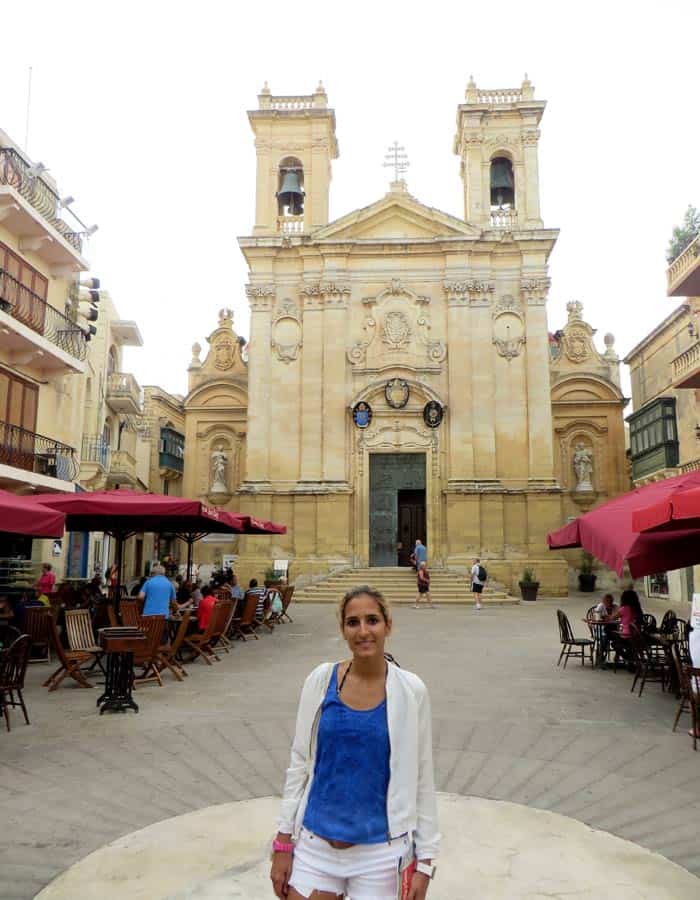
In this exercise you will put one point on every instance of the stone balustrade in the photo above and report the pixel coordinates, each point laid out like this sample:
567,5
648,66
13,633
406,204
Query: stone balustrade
682,266
499,96
290,224
686,365
503,218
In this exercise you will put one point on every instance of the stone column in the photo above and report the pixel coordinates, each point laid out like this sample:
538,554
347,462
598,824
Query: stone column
311,419
541,461
261,298
483,413
532,187
459,377
335,364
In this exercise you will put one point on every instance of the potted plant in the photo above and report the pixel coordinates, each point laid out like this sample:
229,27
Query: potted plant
528,585
586,576
272,578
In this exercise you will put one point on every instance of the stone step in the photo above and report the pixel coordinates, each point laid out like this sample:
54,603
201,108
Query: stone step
399,585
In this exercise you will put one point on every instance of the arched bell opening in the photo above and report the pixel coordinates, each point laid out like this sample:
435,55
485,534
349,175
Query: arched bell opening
502,183
290,187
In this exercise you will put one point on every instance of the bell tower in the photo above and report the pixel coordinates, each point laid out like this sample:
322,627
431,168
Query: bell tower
496,140
295,142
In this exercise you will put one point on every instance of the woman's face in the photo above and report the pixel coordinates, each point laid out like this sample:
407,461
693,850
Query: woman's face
364,627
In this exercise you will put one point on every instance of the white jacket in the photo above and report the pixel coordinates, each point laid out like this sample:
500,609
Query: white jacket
411,805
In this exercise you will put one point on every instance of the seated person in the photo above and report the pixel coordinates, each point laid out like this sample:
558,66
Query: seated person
260,593
183,596
629,615
602,613
236,593
206,607
136,589
157,594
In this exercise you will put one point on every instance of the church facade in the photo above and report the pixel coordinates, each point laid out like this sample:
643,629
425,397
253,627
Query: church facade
401,380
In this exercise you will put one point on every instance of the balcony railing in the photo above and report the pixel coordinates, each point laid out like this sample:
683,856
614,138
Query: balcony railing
15,172
503,218
686,367
124,393
95,450
28,308
684,272
171,462
499,96
290,224
35,453
122,468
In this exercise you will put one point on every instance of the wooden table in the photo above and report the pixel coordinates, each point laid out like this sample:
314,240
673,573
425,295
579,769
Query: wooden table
119,671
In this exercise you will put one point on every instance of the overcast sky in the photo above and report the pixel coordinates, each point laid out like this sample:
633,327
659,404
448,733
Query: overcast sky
139,110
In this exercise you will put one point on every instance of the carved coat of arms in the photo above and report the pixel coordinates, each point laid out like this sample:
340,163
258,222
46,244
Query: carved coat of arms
396,330
397,393
224,354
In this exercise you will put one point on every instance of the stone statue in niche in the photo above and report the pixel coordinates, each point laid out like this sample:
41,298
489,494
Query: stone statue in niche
583,467
219,462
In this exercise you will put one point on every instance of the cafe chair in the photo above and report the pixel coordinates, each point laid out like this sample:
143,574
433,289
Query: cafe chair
168,653
71,662
570,645
36,624
81,637
13,667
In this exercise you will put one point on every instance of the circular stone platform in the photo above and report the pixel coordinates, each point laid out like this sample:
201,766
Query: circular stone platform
491,851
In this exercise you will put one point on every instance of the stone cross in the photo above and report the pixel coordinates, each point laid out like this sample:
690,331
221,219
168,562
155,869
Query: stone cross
396,159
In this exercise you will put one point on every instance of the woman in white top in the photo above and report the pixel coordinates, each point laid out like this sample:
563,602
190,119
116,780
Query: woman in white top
359,793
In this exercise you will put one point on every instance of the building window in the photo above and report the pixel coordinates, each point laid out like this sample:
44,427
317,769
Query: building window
657,585
654,437
172,449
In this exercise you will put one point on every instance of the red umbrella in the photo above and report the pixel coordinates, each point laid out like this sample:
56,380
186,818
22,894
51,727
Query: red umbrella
679,512
609,534
123,513
24,515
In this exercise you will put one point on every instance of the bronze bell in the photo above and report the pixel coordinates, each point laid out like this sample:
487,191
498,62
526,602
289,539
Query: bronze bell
502,183
290,193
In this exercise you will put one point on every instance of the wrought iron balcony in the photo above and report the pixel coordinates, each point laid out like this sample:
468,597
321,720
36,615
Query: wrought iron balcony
124,394
28,308
684,272
95,450
33,452
16,173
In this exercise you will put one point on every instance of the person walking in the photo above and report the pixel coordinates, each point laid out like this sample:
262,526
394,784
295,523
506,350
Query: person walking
478,575
419,555
423,584
359,796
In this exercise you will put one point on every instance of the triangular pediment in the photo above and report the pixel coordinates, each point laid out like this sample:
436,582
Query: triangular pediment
397,216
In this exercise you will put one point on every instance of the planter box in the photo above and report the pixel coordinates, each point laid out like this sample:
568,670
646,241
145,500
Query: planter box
586,582
529,589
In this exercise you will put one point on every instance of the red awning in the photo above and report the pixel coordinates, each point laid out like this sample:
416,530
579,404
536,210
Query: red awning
608,532
678,512
24,515
125,512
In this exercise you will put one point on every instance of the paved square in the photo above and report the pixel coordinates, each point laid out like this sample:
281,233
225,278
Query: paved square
507,725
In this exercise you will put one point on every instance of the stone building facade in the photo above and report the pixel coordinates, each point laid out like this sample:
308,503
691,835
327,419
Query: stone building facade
399,381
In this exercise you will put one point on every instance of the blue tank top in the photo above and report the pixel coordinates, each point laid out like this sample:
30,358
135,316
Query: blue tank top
347,801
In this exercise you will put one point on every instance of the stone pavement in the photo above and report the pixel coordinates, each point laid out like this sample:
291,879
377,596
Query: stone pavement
508,725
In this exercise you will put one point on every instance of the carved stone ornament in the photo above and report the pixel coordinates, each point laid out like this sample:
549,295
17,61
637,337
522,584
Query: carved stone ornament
362,414
286,332
576,344
396,330
472,292
583,467
397,393
260,290
224,354
535,290
219,464
508,328
432,414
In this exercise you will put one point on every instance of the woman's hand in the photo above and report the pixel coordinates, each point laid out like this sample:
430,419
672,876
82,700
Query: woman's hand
419,886
280,872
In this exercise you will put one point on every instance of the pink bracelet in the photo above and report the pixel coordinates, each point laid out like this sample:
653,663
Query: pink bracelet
279,847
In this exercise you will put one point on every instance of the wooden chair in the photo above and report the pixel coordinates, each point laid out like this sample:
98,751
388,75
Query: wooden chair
225,615
224,639
649,665
648,623
168,653
244,626
130,613
287,595
81,637
201,644
8,635
13,667
71,662
693,677
683,684
570,645
149,657
668,623
36,625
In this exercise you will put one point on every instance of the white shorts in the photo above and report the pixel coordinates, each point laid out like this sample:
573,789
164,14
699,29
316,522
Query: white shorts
362,872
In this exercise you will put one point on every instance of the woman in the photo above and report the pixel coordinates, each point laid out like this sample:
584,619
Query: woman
45,583
629,613
423,584
359,791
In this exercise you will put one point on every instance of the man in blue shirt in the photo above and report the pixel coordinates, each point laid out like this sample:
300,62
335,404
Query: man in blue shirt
157,592
420,554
